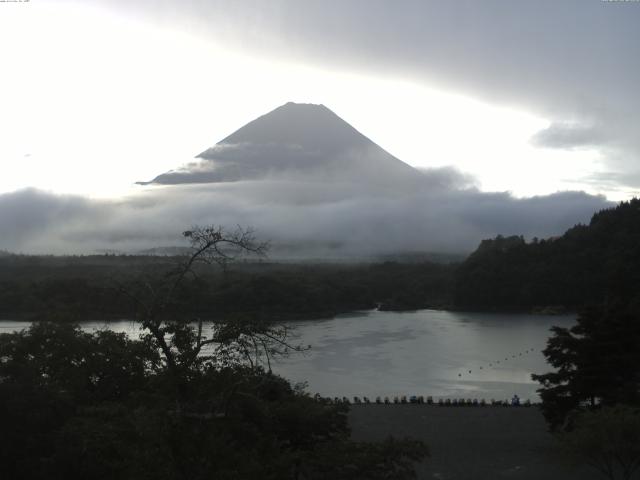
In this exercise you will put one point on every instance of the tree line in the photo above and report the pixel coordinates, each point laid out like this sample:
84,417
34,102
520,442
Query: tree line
87,288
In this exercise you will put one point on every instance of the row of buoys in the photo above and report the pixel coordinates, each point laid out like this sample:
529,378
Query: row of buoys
506,359
413,399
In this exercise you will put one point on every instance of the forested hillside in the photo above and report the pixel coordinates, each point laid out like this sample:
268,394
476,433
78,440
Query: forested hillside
583,266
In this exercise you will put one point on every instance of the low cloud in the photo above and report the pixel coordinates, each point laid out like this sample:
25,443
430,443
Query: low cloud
570,136
625,184
449,178
300,218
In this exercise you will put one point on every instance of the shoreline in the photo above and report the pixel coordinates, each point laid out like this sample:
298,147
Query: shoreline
308,316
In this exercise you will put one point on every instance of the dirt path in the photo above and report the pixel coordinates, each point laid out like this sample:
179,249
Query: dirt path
472,443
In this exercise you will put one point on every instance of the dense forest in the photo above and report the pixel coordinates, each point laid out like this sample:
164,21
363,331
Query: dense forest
584,266
92,287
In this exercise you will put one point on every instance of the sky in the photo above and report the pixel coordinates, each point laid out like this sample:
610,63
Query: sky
529,97
526,98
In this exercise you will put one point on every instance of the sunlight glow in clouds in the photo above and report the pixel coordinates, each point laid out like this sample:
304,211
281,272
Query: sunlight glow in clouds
91,103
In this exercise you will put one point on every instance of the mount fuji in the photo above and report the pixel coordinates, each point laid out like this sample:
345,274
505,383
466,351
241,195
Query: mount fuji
299,141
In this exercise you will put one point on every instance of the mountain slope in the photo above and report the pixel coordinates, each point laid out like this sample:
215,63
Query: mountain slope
302,141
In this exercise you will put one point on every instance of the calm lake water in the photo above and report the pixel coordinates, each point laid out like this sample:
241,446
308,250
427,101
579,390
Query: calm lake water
427,352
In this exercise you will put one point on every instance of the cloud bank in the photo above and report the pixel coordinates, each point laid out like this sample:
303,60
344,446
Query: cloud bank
301,219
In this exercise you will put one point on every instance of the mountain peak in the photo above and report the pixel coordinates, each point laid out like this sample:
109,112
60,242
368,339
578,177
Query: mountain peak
305,124
302,140
304,106
297,105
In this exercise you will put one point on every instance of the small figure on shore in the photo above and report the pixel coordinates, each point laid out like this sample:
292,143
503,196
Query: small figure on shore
515,401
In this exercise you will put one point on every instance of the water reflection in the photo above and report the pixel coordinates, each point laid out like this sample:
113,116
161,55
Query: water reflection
428,352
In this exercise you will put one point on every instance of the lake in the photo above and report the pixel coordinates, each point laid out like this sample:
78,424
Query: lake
427,352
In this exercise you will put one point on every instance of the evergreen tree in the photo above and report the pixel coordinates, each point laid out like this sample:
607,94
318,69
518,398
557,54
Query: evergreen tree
597,362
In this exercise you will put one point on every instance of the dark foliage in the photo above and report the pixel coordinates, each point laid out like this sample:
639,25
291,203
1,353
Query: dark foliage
608,440
51,373
101,406
597,362
84,287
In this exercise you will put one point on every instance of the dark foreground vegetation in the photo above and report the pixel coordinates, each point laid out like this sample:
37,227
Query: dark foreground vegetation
101,406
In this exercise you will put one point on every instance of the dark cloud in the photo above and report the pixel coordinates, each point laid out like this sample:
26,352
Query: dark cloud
629,181
570,136
449,178
31,215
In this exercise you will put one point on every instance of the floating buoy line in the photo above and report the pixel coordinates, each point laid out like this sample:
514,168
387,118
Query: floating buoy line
443,402
422,400
491,364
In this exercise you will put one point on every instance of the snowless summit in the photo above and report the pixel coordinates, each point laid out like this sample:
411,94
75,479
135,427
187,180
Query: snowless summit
296,140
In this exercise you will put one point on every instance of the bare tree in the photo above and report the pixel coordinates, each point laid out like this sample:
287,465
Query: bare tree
183,343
